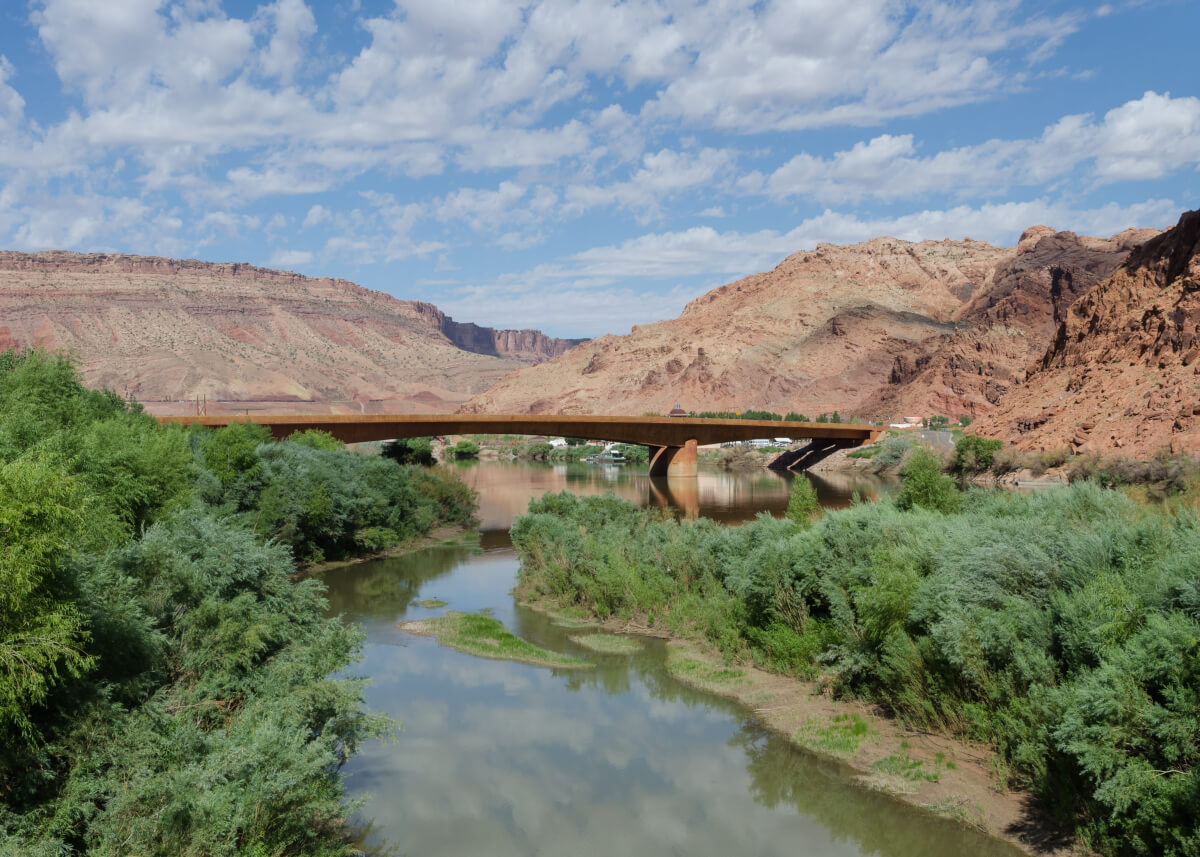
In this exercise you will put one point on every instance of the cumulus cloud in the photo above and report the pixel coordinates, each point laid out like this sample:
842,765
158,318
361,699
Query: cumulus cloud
291,258
1142,139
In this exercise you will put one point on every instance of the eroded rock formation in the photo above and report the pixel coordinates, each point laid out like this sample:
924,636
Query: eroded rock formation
1122,374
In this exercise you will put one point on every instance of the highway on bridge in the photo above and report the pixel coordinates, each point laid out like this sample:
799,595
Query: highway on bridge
673,440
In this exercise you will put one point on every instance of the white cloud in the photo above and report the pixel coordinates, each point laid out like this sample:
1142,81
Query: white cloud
662,175
317,214
293,25
483,210
289,258
1149,137
1142,139
12,105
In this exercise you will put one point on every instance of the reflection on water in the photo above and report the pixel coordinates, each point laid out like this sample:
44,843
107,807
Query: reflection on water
501,758
506,487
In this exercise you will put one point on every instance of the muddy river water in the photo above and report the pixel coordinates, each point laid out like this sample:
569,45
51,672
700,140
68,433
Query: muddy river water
502,758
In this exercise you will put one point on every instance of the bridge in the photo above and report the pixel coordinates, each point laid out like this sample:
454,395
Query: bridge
672,440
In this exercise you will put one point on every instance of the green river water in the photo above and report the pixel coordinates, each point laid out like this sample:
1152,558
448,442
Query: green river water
501,758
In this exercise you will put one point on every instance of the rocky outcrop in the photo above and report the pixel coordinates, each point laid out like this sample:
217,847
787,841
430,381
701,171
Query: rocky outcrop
1122,373
1004,326
873,330
528,346
165,330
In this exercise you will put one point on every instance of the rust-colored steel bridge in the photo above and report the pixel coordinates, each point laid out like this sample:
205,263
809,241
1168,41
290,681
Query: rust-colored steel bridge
672,440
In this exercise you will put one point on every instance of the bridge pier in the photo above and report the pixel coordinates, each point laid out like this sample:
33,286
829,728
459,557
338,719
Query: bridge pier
674,460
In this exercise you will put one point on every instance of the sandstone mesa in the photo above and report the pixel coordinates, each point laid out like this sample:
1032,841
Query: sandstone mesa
165,330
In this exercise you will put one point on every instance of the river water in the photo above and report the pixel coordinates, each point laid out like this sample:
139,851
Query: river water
501,758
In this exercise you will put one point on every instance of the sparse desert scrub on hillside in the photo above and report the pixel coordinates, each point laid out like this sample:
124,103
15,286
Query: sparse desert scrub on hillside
1062,627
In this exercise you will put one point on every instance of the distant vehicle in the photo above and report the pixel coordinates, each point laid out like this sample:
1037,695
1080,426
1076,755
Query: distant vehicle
610,455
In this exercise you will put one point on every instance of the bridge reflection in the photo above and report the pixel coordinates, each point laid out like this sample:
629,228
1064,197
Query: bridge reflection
506,487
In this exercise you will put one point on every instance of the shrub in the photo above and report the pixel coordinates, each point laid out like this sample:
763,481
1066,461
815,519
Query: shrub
803,502
165,680
1063,626
974,454
892,451
465,449
413,450
317,439
925,485
1007,460
634,452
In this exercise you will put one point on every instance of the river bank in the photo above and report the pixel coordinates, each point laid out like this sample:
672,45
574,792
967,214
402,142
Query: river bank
931,772
1057,626
448,534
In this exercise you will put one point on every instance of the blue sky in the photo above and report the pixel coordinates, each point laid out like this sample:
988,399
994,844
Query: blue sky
585,165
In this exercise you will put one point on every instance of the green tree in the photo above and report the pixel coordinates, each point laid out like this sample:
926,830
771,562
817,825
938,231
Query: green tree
413,450
42,633
925,485
974,454
231,453
803,502
317,439
465,449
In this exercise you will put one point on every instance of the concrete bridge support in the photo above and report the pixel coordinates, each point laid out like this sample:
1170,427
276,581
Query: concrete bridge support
674,460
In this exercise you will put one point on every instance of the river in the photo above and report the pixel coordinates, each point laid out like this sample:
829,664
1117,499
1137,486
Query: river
500,758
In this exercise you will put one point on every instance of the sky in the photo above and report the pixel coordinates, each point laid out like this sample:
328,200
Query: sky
581,166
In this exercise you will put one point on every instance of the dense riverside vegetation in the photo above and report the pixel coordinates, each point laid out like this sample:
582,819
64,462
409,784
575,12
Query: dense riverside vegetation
1063,627
167,685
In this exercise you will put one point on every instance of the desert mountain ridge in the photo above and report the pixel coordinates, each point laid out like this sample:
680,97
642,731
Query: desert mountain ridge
165,330
874,330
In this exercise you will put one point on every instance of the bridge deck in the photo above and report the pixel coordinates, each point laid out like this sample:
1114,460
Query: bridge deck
647,431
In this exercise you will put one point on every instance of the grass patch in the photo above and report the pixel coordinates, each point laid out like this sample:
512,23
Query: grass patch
608,644
431,603
842,736
713,677
485,637
466,539
905,766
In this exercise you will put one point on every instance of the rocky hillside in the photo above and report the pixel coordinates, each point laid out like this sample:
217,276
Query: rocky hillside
874,330
1123,369
1004,327
164,330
